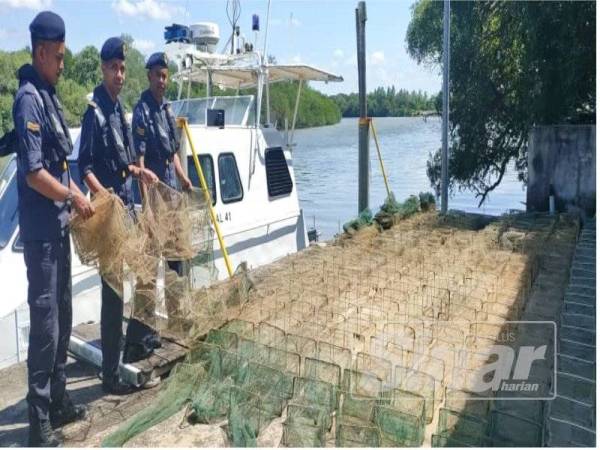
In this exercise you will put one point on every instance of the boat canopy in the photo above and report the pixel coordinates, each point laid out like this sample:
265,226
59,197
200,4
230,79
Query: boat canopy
236,77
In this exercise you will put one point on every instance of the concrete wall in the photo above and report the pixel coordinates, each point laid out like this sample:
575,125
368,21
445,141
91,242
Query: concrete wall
564,156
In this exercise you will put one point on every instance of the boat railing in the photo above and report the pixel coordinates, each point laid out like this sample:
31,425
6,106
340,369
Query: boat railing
238,110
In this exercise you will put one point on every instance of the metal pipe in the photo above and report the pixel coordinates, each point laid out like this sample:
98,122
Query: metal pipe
268,121
445,105
182,122
363,123
267,30
208,83
296,111
385,180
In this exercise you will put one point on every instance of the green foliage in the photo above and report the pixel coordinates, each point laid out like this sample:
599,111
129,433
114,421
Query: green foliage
84,68
514,65
9,64
82,73
73,98
387,102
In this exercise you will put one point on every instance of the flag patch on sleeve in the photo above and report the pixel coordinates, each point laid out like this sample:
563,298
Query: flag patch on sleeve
32,126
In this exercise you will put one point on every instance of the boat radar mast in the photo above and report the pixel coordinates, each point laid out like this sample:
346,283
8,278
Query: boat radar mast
193,50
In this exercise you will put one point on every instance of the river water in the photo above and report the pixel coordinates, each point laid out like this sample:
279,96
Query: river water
326,169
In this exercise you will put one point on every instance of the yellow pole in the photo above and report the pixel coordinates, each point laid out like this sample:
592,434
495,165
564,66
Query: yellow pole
182,123
385,180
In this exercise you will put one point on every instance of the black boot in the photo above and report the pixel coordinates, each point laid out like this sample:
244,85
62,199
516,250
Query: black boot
116,387
154,341
66,413
42,435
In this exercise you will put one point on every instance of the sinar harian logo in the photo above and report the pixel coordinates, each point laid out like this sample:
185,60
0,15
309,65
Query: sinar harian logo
518,364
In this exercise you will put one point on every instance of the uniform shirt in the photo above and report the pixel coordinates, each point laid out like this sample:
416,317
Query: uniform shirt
146,141
95,143
40,218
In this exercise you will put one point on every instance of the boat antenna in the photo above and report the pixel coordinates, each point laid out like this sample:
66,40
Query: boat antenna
267,29
233,15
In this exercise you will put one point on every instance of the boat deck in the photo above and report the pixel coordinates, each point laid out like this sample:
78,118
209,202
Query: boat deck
85,344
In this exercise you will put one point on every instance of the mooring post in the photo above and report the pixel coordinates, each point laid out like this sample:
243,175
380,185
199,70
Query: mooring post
445,105
363,123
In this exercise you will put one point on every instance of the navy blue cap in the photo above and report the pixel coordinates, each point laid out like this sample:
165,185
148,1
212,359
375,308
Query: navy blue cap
114,47
48,26
157,59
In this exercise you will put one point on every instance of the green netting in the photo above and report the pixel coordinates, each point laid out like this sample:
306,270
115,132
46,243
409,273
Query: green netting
305,426
270,356
364,219
398,429
356,410
412,380
240,327
361,393
322,370
334,354
245,418
308,391
264,380
406,402
362,384
224,339
509,430
461,427
467,402
410,206
173,397
210,401
378,367
304,346
364,320
357,436
442,440
270,335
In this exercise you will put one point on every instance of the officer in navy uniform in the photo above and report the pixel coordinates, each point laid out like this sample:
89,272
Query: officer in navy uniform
46,194
155,134
107,160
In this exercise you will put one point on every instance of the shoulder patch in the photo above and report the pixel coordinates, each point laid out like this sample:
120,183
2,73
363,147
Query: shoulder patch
140,131
33,126
92,103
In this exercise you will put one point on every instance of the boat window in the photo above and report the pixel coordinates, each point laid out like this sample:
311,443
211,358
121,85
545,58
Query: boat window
279,181
229,179
208,169
9,203
238,109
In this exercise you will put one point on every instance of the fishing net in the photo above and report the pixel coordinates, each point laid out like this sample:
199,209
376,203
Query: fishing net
305,426
392,211
172,226
374,341
174,395
365,218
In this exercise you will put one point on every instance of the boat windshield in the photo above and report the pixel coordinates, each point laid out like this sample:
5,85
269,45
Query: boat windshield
239,110
9,202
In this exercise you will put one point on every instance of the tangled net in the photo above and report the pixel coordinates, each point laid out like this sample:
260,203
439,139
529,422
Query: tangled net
172,226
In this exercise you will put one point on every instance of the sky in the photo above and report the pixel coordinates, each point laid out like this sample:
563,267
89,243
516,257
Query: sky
320,33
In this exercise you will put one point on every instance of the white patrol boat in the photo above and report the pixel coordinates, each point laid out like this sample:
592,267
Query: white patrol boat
246,162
